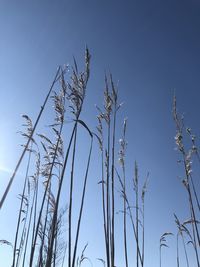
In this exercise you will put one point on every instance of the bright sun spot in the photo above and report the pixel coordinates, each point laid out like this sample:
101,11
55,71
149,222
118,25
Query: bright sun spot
4,169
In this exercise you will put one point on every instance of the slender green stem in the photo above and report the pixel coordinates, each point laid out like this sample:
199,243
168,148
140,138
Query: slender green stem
113,191
125,214
21,210
71,201
82,204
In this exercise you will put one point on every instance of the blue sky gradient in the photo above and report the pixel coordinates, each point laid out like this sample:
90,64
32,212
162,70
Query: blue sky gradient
152,50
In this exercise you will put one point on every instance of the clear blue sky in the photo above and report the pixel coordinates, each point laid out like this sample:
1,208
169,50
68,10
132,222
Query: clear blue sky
151,47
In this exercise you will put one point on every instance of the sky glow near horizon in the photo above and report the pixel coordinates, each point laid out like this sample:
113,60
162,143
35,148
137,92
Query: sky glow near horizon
152,49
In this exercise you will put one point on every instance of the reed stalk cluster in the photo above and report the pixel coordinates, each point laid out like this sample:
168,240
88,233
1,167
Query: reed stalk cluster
47,227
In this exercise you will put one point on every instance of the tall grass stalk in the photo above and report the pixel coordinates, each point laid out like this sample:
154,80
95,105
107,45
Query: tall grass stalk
136,188
82,201
115,109
100,138
47,183
76,95
107,147
57,76
33,204
70,201
186,159
22,211
122,152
